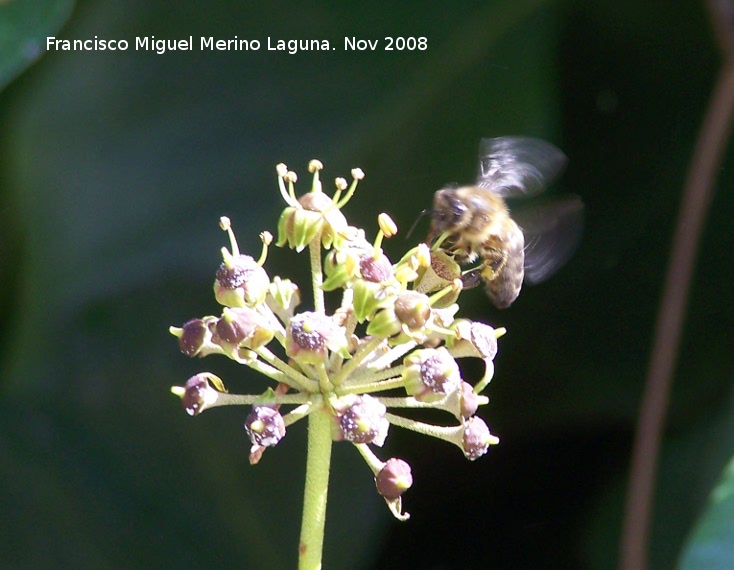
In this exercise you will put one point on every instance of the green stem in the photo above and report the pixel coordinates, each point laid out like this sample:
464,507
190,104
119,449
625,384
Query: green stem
372,460
295,379
363,352
317,277
366,376
452,434
227,399
371,387
314,497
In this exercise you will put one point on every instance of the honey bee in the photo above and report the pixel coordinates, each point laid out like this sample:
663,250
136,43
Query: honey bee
475,220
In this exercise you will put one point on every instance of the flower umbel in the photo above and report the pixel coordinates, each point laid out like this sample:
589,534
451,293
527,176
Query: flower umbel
391,344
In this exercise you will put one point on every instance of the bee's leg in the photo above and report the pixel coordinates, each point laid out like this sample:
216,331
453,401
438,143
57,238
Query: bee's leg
471,278
494,261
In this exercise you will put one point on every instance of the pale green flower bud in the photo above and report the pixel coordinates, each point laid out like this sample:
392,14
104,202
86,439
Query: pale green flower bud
284,297
317,214
384,324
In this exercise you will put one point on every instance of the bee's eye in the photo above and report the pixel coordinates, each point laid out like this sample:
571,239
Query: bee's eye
457,209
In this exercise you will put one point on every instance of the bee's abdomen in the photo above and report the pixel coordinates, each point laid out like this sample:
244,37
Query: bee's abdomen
505,285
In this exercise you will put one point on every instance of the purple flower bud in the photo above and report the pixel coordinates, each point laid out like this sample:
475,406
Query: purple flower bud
199,394
240,282
265,426
311,335
477,438
474,339
193,337
431,374
364,421
484,340
375,269
394,479
469,401
242,326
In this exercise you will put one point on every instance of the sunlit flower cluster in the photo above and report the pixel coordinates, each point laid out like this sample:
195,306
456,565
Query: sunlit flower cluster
391,344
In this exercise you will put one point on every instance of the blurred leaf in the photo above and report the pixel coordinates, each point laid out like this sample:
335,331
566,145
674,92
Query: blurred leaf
24,26
711,545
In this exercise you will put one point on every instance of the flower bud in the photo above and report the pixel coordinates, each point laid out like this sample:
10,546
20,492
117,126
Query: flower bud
384,323
317,214
340,183
199,394
340,267
431,374
394,479
469,401
387,225
474,339
477,438
298,227
443,272
311,335
193,336
265,426
363,420
284,297
243,326
240,282
335,225
413,310
375,268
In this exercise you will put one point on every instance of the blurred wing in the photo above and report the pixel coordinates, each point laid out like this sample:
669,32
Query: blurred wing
552,230
517,166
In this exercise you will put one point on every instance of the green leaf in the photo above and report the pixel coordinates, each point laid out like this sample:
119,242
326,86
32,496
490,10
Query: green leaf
711,545
24,26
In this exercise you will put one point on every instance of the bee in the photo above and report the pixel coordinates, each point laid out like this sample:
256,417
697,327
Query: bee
476,223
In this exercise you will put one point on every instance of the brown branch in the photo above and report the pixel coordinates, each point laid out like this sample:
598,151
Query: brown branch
696,197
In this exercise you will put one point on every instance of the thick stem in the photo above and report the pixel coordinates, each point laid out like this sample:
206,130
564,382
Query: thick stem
314,498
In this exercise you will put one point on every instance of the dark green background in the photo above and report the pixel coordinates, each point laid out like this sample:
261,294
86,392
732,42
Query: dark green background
115,167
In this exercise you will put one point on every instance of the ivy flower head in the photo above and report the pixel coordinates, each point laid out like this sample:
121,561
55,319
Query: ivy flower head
389,342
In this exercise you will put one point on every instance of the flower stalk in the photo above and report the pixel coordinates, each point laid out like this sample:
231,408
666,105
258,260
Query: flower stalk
318,467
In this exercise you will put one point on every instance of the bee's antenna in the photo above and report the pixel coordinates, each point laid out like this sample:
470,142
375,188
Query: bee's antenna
418,219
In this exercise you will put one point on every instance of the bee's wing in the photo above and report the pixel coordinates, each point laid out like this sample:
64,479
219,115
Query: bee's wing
517,166
552,230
